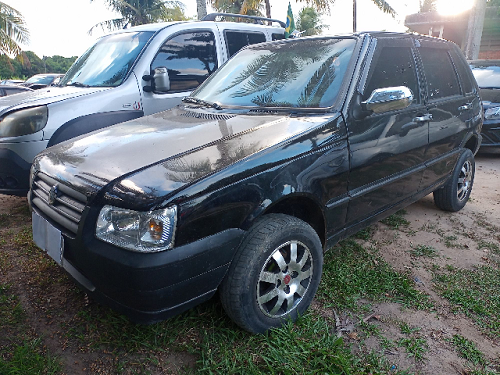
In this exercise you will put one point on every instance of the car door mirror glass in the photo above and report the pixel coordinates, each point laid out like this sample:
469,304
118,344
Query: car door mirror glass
161,79
388,99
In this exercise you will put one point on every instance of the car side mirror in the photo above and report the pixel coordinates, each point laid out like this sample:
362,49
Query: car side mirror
161,79
388,99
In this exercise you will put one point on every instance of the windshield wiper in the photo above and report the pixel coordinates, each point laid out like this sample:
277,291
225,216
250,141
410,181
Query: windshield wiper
190,99
77,84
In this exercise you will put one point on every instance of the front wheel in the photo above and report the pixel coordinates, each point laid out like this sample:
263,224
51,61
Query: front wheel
455,193
275,273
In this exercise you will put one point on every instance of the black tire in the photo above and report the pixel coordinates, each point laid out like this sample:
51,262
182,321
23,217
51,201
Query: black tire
455,193
255,275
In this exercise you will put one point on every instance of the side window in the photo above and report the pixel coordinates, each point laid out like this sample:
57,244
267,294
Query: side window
392,67
462,69
189,59
278,36
236,40
439,73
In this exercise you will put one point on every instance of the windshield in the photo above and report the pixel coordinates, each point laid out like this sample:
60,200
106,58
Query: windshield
45,80
487,75
303,73
108,61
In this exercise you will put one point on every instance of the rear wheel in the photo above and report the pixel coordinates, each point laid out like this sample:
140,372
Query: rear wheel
275,273
455,193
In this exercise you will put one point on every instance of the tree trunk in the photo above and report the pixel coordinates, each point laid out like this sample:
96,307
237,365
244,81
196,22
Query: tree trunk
475,30
268,8
201,7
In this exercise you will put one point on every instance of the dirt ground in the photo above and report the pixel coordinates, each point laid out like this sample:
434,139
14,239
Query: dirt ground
480,219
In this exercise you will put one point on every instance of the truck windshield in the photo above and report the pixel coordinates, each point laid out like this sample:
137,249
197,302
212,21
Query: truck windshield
107,62
302,73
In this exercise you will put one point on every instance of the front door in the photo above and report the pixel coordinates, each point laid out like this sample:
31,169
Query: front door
387,149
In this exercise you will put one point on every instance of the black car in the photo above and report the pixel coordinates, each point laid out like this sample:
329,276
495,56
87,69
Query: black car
12,89
487,73
288,148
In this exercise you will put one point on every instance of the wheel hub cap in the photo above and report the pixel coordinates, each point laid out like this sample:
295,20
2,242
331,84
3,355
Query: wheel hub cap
284,279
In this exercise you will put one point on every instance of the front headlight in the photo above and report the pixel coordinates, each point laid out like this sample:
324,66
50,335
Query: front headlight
23,122
492,113
145,232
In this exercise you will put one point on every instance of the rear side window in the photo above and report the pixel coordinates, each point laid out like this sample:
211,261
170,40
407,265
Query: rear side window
236,40
462,69
278,36
440,74
392,67
189,58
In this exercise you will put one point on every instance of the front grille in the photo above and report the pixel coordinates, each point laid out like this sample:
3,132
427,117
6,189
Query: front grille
63,207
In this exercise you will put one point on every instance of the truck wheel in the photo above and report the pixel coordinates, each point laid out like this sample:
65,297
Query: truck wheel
455,193
274,275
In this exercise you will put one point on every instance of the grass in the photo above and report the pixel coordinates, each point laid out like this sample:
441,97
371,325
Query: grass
474,293
351,272
396,220
424,251
467,349
20,353
29,358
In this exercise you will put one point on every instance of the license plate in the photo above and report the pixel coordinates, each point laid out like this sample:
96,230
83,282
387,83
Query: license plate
47,237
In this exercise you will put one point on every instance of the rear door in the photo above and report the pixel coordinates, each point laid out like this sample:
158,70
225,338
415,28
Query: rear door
450,106
387,149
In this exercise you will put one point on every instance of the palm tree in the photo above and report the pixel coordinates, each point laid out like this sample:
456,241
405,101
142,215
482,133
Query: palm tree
13,30
201,8
139,12
309,22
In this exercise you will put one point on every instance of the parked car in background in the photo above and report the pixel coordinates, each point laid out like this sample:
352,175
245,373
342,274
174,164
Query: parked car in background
39,81
11,82
125,75
487,73
12,89
288,148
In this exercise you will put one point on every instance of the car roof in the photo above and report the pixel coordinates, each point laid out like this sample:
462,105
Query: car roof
154,27
485,62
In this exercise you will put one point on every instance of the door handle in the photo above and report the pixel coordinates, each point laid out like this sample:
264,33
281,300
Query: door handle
465,107
423,118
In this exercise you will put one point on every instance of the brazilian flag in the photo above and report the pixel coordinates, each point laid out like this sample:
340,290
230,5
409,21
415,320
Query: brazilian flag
290,23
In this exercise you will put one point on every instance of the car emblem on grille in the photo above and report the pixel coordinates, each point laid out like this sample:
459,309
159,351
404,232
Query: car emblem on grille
53,194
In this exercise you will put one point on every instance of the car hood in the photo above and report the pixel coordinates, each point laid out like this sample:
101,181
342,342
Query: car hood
44,96
152,157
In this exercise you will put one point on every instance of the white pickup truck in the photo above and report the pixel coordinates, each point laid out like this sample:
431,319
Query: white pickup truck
123,76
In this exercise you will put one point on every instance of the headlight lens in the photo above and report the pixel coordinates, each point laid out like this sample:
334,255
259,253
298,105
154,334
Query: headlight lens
25,121
145,232
492,113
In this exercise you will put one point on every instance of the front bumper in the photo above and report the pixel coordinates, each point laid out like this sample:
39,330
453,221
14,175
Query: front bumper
491,135
15,164
149,287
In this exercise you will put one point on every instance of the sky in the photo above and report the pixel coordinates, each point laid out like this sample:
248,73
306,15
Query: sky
60,27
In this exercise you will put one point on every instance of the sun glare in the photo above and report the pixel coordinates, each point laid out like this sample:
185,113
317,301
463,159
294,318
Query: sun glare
452,7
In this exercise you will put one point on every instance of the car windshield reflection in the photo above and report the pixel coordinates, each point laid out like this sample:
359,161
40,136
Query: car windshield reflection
305,74
107,63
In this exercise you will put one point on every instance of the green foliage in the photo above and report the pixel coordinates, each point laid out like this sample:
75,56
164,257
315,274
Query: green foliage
13,30
29,358
475,293
424,251
350,273
140,12
31,64
467,349
309,20
428,6
396,220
